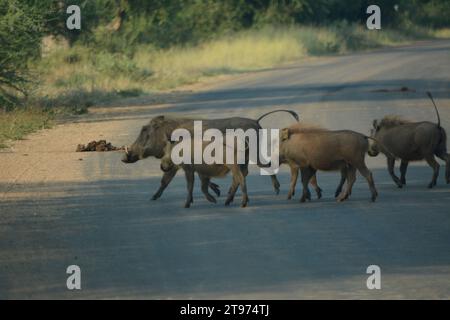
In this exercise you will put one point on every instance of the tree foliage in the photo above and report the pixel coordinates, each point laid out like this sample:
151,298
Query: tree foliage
167,22
20,32
120,25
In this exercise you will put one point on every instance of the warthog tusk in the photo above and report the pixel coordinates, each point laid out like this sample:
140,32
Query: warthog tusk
126,150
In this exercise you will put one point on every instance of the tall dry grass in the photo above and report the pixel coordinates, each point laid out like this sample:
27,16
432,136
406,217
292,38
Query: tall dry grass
90,70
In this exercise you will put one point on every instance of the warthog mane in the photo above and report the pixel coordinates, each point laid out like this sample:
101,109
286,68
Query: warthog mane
392,121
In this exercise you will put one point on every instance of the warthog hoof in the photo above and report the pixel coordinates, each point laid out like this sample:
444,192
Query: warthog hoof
319,193
156,196
342,197
431,184
374,197
210,198
306,197
338,192
229,200
276,186
189,202
290,194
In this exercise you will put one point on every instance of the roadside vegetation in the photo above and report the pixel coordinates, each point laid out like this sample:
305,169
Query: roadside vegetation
140,47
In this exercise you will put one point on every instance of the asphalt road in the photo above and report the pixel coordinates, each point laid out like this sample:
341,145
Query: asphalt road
130,247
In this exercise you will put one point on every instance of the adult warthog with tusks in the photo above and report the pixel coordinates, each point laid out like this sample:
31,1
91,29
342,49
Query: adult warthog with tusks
152,141
410,141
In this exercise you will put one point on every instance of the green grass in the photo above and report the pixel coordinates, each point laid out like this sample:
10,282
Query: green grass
88,70
71,80
16,124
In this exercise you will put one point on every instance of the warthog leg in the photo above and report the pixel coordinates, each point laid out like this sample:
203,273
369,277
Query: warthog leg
403,169
446,158
341,183
391,164
204,186
433,164
244,169
190,187
275,183
215,188
351,178
238,180
307,173
365,172
294,177
315,185
165,180
232,191
243,183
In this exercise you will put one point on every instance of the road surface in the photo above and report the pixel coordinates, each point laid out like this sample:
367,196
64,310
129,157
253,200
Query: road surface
61,208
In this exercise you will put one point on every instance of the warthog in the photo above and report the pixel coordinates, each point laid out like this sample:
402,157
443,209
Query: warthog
311,148
409,141
153,138
206,172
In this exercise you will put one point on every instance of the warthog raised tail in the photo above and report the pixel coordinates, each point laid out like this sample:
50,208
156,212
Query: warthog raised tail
410,141
152,140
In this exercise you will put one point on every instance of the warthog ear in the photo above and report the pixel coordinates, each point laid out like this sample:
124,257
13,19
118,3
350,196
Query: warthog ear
285,134
376,126
168,136
157,121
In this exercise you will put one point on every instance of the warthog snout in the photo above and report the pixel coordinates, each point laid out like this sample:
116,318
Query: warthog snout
129,156
373,148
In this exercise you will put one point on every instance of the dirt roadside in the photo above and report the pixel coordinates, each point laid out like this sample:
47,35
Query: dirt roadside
49,154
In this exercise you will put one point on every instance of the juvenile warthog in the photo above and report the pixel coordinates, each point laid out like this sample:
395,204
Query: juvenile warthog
409,141
207,171
153,138
310,149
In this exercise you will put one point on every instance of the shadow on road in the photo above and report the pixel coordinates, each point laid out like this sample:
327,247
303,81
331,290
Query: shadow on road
262,97
130,246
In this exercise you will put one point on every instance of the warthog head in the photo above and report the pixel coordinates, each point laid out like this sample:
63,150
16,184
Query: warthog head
373,146
150,142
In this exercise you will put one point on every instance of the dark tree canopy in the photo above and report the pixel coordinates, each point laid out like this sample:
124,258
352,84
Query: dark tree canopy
120,25
20,33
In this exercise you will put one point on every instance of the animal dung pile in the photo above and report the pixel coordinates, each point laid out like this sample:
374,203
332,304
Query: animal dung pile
98,146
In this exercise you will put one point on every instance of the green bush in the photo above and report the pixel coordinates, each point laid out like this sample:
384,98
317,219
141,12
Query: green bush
20,32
